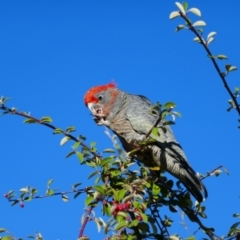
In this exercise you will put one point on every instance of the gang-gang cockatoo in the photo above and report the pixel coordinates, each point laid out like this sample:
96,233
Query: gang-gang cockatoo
130,118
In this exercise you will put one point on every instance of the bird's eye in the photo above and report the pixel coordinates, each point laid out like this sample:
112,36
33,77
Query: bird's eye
100,97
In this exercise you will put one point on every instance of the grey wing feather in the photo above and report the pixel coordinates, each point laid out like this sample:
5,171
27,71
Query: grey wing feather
167,151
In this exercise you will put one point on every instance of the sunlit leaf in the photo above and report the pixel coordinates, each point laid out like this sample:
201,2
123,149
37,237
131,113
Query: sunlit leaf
46,119
50,182
180,7
24,190
121,225
100,189
210,40
29,120
88,200
169,105
230,68
199,23
64,140
108,150
222,57
80,156
180,27
65,198
57,131
7,238
71,129
174,15
191,238
106,161
196,11
155,132
211,34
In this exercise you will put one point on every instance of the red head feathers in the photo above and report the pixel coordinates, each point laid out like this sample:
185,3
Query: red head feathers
90,94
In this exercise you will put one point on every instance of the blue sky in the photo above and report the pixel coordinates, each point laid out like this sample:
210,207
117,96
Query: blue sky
52,52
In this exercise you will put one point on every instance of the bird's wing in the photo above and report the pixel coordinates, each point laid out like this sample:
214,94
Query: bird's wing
142,120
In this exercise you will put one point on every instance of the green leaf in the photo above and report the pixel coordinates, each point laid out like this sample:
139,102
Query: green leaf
3,230
180,27
169,105
230,68
134,223
57,131
108,150
50,182
70,154
7,238
100,189
237,215
88,200
14,202
115,173
155,132
195,11
174,15
29,121
77,184
221,57
49,192
121,194
106,161
80,156
76,195
121,225
93,174
155,189
199,23
185,5
76,145
180,7
46,119
191,238
93,144
71,129
64,140
144,217
82,137
65,198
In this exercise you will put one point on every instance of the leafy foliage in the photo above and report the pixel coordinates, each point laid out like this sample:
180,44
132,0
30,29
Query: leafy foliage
129,194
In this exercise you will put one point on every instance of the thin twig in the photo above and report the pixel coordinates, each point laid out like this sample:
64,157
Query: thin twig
210,173
213,61
22,114
54,194
85,221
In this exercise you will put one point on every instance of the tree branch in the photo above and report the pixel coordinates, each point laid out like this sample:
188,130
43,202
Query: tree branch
222,76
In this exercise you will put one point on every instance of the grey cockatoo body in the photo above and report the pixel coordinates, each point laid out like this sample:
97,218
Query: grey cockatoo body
130,118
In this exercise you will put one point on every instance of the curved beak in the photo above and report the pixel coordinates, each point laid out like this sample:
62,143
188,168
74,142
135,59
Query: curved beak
96,111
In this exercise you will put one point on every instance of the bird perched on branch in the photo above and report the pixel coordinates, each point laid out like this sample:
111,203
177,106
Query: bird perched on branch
131,118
